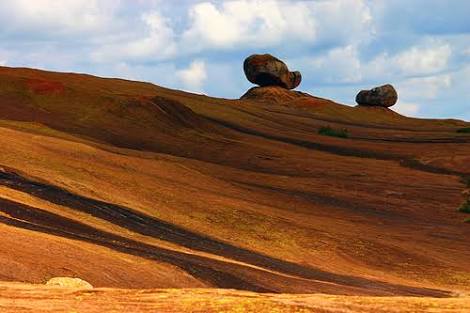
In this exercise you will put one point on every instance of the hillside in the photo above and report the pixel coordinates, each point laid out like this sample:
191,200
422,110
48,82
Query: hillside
131,185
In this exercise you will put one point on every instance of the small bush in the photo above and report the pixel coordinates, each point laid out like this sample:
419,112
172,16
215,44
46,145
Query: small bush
328,131
465,208
467,220
465,130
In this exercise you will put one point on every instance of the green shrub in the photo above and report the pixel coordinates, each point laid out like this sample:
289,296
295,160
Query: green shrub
466,181
465,208
467,220
328,131
465,130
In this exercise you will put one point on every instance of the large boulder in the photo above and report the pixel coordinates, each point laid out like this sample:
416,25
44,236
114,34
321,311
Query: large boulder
383,96
266,70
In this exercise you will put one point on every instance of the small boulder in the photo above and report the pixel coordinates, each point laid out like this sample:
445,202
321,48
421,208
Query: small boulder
383,96
266,70
69,282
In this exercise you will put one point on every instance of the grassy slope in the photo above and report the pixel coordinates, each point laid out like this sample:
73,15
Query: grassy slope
380,205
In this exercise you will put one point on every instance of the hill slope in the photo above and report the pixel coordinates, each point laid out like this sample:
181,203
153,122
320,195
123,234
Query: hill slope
131,185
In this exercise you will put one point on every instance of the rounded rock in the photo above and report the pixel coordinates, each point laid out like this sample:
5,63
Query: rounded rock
266,70
383,96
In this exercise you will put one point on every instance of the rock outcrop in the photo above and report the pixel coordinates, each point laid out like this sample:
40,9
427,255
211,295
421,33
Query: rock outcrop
266,70
274,94
383,96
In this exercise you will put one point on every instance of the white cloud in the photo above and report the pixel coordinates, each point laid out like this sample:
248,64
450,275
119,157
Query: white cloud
56,16
415,72
268,23
158,43
194,76
248,23
343,21
3,62
406,108
229,78
424,87
122,69
427,58
111,34
160,40
382,65
340,65
424,60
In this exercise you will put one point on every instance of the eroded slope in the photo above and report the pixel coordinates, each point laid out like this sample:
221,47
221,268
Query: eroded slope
226,193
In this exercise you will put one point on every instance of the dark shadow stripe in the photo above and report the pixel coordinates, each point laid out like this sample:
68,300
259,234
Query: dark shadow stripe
149,226
395,127
215,272
323,199
145,224
418,140
308,127
345,151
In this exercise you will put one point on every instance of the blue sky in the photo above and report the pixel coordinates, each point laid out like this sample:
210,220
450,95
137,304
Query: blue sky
340,46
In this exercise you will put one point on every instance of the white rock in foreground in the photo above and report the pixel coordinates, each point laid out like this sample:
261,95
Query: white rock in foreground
69,282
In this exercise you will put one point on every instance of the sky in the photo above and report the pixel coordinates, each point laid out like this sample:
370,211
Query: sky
422,47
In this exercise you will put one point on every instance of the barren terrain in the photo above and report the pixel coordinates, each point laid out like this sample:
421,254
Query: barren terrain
130,185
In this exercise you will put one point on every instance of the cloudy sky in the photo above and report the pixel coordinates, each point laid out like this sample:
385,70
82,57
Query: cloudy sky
340,46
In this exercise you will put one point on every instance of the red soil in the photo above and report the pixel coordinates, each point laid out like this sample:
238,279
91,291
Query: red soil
44,87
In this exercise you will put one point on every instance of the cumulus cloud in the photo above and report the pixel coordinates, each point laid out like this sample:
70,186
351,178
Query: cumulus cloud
340,65
345,65
424,87
416,93
343,22
428,58
157,43
116,35
194,76
268,23
407,108
123,69
418,72
250,23
160,40
47,17
424,60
